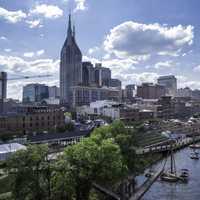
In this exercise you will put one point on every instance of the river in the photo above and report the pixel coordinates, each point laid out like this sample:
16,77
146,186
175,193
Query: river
178,191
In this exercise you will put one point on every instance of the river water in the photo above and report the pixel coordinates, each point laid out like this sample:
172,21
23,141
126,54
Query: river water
178,191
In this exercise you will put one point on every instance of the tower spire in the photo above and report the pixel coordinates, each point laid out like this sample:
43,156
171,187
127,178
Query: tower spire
74,31
69,26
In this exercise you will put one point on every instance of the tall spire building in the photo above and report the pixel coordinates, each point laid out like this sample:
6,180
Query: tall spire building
70,66
81,82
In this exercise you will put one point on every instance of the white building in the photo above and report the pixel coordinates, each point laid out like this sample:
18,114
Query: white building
97,108
8,149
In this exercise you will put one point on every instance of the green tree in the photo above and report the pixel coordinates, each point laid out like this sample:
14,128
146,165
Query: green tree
67,127
123,137
87,162
29,169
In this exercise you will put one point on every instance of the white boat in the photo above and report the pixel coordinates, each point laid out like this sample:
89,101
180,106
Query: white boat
149,173
195,146
171,175
194,156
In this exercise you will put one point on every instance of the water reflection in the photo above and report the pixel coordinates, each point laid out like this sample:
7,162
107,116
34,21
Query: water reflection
178,191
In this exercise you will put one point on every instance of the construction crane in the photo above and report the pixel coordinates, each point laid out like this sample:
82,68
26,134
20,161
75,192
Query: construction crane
3,85
24,77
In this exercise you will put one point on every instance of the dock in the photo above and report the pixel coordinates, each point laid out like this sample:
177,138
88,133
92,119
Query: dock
145,186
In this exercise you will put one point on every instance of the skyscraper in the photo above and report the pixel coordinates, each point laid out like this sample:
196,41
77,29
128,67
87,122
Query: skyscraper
170,83
70,66
81,82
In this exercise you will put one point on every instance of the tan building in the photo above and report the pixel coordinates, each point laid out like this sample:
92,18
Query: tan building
150,91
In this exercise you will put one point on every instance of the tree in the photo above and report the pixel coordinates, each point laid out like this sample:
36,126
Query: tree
123,137
28,169
88,162
67,127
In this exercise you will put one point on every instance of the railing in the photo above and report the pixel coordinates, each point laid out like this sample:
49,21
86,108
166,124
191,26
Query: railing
176,145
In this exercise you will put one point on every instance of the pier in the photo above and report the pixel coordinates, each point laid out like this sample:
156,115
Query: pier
145,186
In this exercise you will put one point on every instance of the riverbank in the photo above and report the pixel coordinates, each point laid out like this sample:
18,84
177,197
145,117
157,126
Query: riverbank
176,191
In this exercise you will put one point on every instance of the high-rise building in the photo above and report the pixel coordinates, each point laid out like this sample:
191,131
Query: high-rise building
54,92
35,93
88,74
102,75
80,82
70,66
3,89
130,91
115,83
150,91
170,83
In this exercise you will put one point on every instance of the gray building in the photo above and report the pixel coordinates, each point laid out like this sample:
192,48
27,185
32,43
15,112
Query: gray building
88,74
83,95
130,91
170,84
115,83
70,66
102,75
54,92
35,93
3,89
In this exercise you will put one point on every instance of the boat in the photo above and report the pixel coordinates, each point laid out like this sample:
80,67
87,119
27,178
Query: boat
194,155
169,177
172,175
184,173
149,173
195,146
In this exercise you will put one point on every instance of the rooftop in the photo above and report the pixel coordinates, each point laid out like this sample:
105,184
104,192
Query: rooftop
11,147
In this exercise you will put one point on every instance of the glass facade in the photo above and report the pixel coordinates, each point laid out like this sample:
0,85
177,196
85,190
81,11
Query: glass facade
35,93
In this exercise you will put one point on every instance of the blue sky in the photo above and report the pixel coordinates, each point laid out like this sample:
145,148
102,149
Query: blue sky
138,39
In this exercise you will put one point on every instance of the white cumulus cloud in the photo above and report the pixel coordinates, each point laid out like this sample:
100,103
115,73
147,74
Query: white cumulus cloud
47,11
3,38
40,52
18,66
80,5
131,38
12,16
34,23
165,64
196,69
29,54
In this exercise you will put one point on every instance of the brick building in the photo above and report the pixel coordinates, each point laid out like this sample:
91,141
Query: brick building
28,120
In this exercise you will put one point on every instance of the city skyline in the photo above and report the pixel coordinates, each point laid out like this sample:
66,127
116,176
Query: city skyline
138,45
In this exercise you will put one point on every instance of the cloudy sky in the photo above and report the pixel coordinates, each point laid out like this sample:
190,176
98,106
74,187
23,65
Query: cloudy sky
138,39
